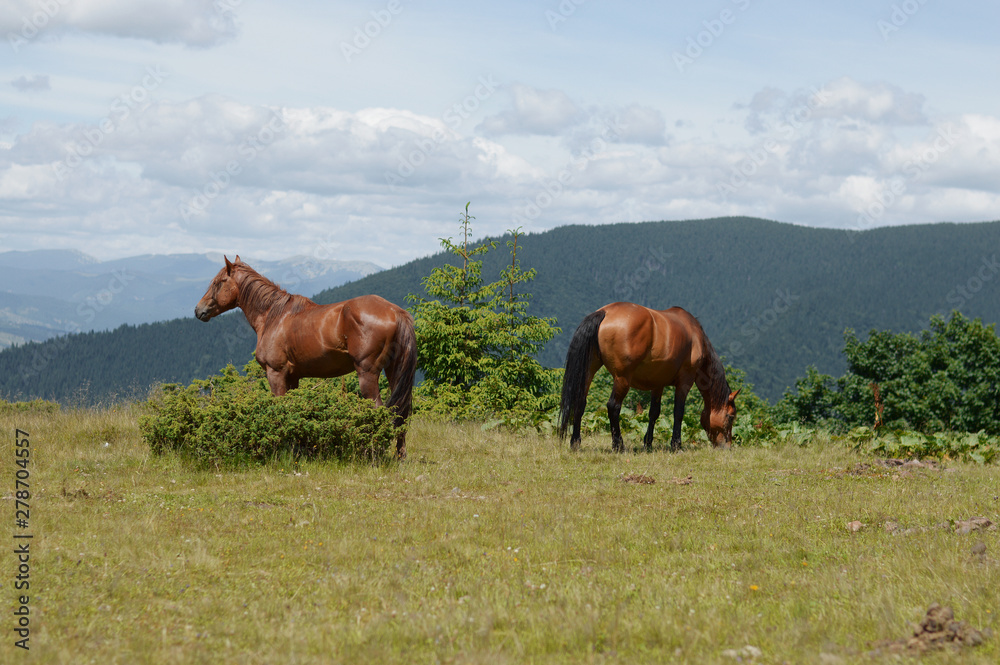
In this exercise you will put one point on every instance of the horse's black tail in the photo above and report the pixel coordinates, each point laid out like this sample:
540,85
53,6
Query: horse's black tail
582,349
403,365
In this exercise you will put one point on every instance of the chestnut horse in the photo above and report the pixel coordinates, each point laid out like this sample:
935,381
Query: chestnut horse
646,349
297,338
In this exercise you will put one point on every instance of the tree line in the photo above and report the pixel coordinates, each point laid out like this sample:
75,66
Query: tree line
774,298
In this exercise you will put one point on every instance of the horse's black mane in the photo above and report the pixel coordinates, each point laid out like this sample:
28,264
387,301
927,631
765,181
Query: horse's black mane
718,387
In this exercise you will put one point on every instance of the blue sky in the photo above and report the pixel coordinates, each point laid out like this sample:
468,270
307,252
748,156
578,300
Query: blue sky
359,130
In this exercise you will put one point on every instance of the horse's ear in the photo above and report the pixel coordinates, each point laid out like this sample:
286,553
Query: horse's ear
732,395
237,260
229,266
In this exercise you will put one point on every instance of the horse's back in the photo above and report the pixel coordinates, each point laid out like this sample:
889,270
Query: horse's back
367,310
324,340
625,333
669,327
650,347
628,345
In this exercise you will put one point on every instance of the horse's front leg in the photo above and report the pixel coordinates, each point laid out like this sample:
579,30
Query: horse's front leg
654,412
368,385
279,381
680,397
618,392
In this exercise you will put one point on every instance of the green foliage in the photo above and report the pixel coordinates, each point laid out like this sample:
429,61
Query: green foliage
947,378
815,400
234,419
477,342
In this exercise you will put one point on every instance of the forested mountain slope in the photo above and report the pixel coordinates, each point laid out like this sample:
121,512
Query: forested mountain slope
774,298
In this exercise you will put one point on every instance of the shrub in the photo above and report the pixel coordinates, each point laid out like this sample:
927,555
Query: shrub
234,419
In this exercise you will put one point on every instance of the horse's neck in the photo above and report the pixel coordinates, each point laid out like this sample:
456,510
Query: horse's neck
257,296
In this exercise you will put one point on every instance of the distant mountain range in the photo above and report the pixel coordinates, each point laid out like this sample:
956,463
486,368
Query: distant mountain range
47,293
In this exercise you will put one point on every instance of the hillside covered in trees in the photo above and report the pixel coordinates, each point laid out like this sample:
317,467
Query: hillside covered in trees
774,298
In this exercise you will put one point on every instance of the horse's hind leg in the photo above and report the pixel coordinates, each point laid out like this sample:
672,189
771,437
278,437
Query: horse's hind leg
618,392
574,440
399,420
654,412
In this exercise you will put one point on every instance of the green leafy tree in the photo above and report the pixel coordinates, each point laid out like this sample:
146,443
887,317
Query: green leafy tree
477,343
815,400
945,378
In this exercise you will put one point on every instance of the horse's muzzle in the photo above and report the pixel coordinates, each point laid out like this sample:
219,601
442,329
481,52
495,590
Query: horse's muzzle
201,313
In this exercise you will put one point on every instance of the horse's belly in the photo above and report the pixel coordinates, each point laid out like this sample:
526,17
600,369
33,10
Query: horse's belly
653,376
323,365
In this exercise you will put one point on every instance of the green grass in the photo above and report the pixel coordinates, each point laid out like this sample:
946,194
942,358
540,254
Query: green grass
487,547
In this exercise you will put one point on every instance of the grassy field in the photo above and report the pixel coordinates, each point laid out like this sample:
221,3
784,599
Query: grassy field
488,547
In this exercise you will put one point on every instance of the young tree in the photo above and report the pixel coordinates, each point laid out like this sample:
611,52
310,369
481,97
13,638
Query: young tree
476,340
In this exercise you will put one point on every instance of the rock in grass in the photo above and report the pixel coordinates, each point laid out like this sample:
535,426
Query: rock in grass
937,630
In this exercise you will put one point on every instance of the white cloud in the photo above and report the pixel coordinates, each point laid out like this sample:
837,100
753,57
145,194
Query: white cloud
216,174
642,124
198,23
874,102
36,82
533,111
844,101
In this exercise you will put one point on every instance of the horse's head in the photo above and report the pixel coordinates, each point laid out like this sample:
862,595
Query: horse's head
222,294
718,421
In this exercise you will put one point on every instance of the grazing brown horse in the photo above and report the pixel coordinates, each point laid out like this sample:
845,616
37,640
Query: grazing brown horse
646,349
297,338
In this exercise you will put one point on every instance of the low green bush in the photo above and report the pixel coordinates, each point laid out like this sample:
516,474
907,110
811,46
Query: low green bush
978,447
233,418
